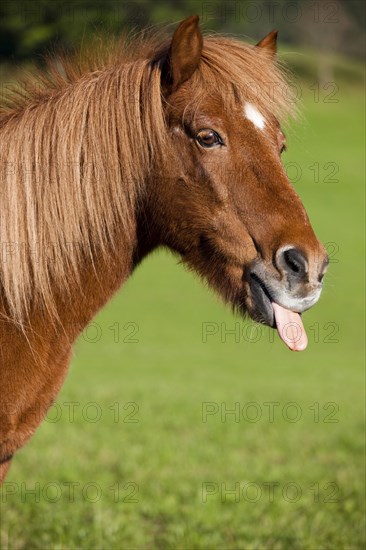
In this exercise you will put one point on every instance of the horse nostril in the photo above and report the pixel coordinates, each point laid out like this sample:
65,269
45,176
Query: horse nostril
293,262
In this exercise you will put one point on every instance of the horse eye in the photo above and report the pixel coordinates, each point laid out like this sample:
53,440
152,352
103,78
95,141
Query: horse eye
283,148
208,138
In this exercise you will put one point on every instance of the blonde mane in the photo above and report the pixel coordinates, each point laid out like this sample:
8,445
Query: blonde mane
77,145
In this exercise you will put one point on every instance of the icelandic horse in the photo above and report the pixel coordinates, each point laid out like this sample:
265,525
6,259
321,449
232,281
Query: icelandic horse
173,143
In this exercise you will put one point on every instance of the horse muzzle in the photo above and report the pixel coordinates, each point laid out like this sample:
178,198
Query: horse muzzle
280,292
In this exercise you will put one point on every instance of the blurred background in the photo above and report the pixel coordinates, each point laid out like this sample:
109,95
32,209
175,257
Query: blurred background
179,425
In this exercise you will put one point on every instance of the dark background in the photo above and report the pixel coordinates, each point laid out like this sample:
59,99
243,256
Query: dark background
30,28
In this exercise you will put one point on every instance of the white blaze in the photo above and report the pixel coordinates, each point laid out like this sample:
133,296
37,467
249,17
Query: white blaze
252,114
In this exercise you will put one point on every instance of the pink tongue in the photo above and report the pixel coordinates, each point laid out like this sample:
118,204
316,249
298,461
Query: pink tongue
290,328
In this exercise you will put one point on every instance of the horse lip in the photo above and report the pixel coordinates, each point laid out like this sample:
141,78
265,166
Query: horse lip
263,310
263,299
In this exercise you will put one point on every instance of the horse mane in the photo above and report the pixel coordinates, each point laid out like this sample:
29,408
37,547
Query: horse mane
78,141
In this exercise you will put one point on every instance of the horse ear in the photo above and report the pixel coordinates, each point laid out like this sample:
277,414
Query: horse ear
184,54
269,44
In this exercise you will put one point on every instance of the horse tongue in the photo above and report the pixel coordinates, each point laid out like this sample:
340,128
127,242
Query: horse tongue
290,328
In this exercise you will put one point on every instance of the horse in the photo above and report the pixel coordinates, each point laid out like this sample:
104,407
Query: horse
156,142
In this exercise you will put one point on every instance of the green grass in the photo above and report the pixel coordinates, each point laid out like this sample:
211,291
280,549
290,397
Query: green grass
165,378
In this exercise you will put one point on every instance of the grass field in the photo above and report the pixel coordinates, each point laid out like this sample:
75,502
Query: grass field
141,450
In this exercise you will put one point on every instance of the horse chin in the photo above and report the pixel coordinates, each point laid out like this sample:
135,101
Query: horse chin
261,309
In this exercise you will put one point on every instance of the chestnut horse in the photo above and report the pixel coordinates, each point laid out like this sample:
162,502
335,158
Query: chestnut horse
172,143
